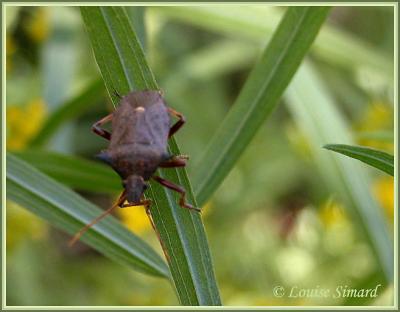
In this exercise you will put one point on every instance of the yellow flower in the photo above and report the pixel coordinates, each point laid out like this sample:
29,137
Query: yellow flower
332,213
21,225
384,191
23,122
378,117
38,26
135,219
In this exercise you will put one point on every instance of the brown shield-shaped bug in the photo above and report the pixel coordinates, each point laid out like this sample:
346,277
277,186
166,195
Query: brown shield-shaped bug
138,147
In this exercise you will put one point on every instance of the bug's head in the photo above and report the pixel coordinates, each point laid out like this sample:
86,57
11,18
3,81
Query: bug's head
134,186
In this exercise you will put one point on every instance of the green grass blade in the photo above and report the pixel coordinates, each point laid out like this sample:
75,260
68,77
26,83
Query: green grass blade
315,113
377,159
124,68
68,111
68,211
255,22
137,16
120,58
73,171
259,96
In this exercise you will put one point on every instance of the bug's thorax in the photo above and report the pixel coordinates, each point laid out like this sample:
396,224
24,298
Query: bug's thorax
135,159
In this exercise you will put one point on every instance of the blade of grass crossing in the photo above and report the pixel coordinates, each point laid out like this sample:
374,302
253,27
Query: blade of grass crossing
75,172
68,211
259,96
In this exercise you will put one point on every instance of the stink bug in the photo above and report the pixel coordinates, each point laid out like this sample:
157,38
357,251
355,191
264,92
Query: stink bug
138,147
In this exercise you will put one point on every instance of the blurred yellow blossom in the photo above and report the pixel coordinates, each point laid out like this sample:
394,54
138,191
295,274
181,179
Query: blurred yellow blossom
38,26
384,191
379,116
135,218
332,213
206,209
23,122
21,225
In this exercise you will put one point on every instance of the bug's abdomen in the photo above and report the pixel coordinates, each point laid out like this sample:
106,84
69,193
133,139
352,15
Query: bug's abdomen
153,126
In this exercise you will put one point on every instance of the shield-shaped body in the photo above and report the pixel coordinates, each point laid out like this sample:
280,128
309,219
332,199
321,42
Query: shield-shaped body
140,128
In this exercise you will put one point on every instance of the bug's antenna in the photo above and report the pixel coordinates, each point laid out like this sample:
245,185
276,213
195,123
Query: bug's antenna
82,231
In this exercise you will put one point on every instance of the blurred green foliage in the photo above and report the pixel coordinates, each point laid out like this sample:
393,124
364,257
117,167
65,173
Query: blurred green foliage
271,222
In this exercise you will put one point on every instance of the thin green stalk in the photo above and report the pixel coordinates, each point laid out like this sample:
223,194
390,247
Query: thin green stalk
377,159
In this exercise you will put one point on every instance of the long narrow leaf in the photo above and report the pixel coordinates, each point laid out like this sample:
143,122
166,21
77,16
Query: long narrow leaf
73,171
124,68
259,96
378,159
68,211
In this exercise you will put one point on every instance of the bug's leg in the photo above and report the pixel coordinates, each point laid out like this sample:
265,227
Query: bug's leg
96,128
146,203
148,212
179,189
82,231
175,161
178,124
